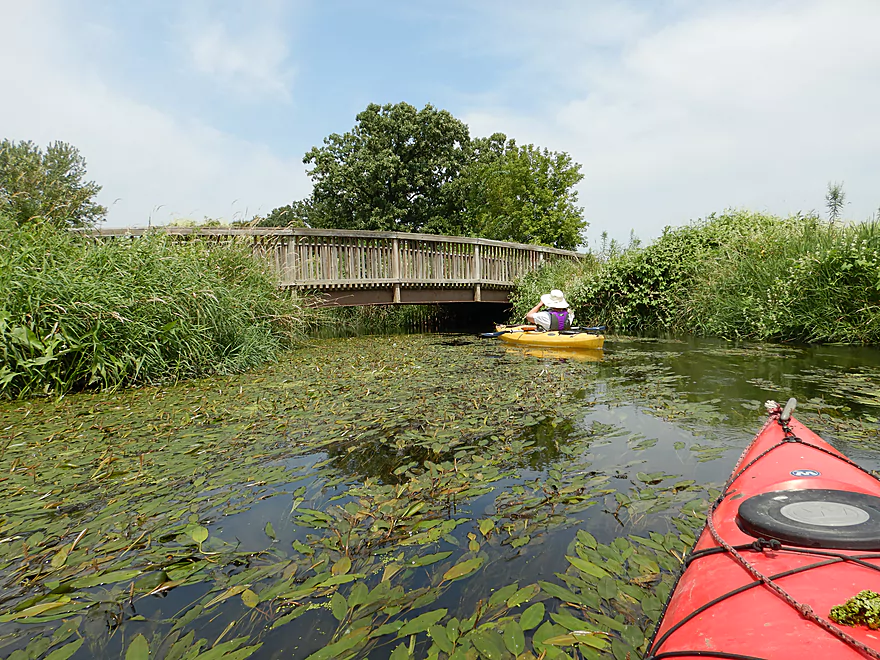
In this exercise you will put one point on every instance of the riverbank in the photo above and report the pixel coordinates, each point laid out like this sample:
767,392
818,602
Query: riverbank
82,314
735,275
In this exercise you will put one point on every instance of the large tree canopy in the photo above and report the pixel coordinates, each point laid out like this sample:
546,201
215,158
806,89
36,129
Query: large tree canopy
523,194
402,169
47,187
390,172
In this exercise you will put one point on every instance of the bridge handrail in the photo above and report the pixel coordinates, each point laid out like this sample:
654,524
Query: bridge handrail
322,233
356,260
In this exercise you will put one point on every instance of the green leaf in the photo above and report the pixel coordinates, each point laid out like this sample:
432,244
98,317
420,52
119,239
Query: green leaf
514,639
60,557
587,567
270,531
358,594
229,593
182,645
607,588
112,577
532,616
441,639
65,651
520,541
338,606
523,595
400,653
463,568
503,594
486,526
387,629
199,534
229,650
34,610
489,643
421,623
139,649
339,648
250,598
426,560
341,567
587,539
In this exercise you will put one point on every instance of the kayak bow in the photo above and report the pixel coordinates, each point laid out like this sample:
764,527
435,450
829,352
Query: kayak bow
795,532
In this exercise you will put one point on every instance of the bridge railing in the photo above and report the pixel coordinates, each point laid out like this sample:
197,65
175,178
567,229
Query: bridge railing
326,259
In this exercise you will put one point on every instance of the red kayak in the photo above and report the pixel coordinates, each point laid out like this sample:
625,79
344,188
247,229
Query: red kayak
795,532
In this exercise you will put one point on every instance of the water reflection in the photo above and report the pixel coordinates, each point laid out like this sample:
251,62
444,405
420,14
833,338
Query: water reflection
577,354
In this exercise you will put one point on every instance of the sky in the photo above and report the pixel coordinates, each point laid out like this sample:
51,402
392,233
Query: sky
193,109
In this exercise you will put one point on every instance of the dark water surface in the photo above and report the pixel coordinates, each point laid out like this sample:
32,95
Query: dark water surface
409,496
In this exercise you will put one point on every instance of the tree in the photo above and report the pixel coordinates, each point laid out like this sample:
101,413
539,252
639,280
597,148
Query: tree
48,187
523,194
835,199
391,172
296,214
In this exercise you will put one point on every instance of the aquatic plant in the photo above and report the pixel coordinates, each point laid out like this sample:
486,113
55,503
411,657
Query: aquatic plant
863,609
422,496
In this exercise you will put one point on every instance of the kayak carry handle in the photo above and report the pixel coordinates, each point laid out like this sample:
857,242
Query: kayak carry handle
789,408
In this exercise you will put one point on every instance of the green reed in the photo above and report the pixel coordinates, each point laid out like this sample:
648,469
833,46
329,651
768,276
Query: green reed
79,313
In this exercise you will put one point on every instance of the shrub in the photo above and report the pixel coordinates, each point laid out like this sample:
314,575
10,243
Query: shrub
735,275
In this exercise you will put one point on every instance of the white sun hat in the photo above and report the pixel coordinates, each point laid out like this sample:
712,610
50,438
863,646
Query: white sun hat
555,299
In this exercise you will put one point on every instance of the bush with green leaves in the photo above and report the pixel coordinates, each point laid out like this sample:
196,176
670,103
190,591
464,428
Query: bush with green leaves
79,313
735,275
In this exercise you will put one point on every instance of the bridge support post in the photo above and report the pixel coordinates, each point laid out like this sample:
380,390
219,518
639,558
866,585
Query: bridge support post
395,268
478,273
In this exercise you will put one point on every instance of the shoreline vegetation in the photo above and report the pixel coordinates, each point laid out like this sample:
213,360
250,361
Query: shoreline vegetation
81,314
84,314
736,275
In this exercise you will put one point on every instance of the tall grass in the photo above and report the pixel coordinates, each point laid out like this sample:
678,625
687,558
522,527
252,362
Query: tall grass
80,314
799,279
735,275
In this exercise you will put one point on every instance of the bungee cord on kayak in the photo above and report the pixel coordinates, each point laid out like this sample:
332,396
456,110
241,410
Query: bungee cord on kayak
768,548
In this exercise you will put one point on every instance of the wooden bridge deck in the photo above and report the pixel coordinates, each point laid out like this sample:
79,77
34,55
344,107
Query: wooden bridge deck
350,267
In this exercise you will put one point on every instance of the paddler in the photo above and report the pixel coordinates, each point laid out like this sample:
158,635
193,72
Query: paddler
555,316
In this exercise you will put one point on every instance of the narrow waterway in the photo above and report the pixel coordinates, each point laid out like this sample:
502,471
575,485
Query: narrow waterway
410,496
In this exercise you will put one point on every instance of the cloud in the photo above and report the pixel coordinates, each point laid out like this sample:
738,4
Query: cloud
718,105
244,50
150,161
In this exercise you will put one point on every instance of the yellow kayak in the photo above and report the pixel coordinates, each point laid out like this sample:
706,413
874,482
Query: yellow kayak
517,335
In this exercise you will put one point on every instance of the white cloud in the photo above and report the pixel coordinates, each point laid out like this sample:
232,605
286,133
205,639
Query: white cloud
245,51
150,161
734,104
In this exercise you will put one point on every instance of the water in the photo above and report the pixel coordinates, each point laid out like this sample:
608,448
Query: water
446,487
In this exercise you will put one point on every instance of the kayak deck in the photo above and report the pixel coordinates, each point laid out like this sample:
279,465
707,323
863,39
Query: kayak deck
552,339
746,596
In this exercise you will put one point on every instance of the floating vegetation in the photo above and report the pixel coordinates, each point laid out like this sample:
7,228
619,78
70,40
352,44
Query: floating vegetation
863,609
406,497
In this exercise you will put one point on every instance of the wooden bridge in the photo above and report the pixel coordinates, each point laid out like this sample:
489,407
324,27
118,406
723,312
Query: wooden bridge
348,267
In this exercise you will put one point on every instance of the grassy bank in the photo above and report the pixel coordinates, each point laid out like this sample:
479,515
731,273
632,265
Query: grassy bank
79,314
735,275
